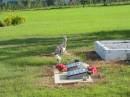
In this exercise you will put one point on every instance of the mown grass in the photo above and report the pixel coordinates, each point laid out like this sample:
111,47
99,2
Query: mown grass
23,50
68,21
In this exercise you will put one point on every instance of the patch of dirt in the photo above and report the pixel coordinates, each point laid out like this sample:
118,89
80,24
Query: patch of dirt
48,71
47,79
92,55
47,55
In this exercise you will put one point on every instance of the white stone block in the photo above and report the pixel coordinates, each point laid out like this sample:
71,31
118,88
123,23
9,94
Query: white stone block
113,50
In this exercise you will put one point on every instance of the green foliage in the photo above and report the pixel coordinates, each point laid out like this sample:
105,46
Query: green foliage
8,21
12,20
2,24
17,20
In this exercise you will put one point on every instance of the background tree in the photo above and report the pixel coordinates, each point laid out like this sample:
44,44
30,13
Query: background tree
83,2
105,2
50,2
28,3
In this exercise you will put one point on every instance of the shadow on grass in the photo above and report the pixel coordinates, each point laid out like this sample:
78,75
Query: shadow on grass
17,48
92,55
10,77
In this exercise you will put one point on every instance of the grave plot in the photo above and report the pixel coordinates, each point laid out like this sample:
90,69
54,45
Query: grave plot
113,50
77,73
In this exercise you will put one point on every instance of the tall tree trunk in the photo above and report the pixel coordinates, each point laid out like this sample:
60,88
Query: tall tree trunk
105,2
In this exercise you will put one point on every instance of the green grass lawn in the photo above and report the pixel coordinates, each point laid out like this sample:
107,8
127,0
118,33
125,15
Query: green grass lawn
23,49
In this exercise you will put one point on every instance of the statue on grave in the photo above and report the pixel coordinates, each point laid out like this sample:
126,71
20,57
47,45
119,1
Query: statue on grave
61,49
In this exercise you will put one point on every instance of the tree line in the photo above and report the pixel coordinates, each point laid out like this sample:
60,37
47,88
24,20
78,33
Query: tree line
24,4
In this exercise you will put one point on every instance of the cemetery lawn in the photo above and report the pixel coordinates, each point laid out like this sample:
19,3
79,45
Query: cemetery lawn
26,49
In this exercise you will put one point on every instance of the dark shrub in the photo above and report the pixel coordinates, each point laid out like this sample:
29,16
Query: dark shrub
8,21
12,20
2,24
17,20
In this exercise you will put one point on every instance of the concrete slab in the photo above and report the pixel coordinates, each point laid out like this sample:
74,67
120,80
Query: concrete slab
113,50
61,78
